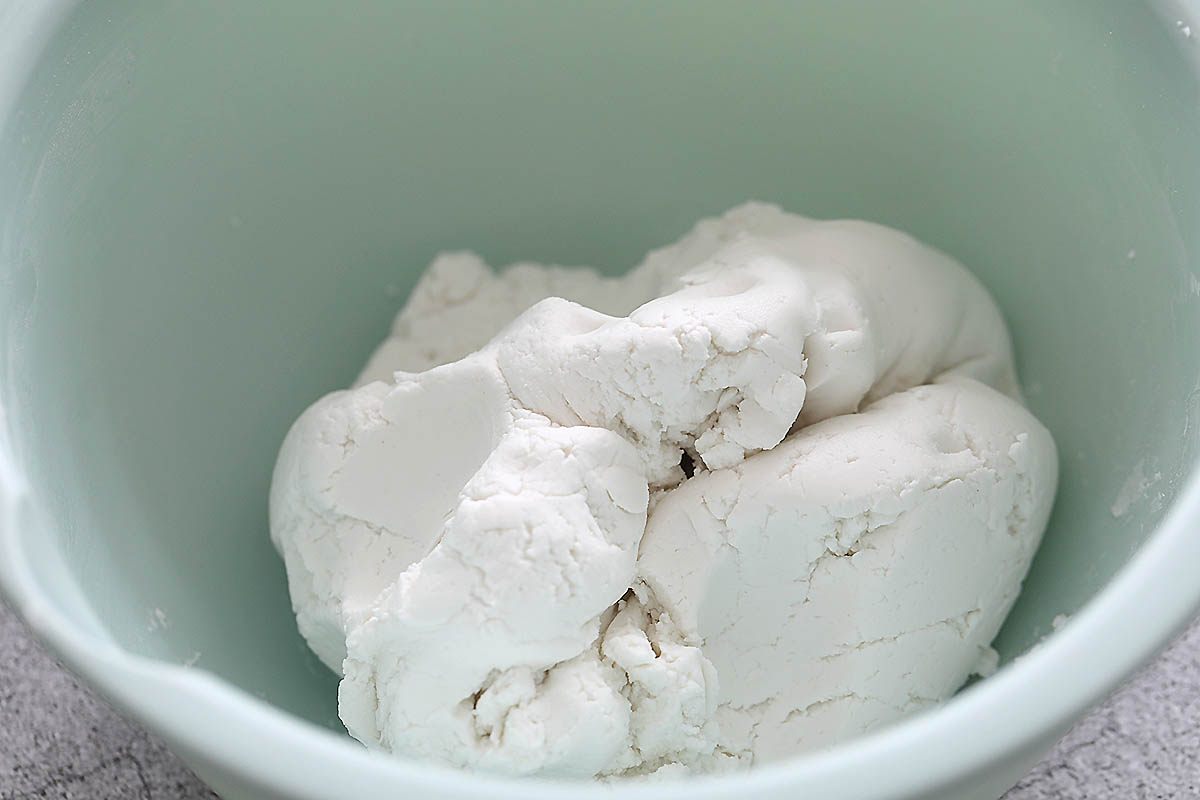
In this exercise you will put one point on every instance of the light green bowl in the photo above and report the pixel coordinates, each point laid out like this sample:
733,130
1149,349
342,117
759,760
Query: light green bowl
210,211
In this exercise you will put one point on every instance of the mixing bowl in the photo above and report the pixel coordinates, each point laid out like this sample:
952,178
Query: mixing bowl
210,211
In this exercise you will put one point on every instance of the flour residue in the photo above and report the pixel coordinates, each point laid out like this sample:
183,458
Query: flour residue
1133,489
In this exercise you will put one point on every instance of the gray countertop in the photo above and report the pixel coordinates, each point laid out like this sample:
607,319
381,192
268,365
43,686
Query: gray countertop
57,740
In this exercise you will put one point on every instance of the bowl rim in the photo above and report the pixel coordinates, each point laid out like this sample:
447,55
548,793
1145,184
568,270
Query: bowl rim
224,731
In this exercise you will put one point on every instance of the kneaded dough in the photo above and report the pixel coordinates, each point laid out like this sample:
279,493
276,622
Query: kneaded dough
770,490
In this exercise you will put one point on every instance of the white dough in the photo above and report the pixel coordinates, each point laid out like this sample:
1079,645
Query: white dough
492,536
858,570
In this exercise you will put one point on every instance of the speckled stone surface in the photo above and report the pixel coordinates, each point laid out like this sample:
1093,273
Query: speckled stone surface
59,741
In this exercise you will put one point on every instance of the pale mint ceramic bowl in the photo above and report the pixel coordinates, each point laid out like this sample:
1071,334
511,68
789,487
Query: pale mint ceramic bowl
209,212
